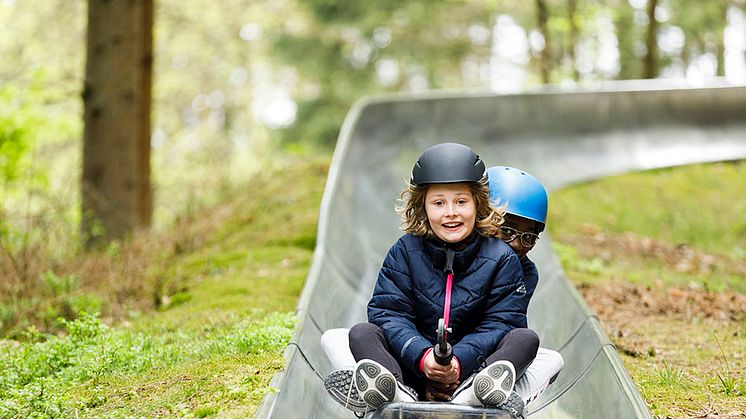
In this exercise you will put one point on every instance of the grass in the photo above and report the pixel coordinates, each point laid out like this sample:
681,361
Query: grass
731,383
660,257
221,291
701,205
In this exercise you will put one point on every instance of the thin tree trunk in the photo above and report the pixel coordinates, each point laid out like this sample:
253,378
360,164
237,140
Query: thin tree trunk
117,98
145,201
720,46
650,62
686,58
545,56
572,7
623,22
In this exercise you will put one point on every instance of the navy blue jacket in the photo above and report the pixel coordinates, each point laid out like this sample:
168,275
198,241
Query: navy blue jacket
530,275
488,299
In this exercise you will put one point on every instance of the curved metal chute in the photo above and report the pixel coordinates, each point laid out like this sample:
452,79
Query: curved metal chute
561,137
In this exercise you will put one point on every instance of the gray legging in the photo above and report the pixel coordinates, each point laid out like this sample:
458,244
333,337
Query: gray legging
367,341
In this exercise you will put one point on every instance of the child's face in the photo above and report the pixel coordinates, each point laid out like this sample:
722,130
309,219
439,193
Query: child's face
517,226
451,211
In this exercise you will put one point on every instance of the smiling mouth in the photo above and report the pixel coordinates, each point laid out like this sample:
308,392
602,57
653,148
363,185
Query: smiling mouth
452,225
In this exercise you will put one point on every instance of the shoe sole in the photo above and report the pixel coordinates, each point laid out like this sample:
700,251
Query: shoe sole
340,387
514,405
375,385
493,385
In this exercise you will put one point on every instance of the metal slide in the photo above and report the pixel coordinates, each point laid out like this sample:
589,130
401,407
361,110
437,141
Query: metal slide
562,138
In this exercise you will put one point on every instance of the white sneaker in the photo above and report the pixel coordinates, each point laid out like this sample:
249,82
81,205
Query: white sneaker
340,387
377,385
489,387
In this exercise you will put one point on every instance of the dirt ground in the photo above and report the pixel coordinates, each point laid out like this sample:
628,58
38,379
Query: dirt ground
671,334
623,307
677,342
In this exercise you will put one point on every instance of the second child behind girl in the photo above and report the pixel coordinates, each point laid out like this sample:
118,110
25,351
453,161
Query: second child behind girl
451,228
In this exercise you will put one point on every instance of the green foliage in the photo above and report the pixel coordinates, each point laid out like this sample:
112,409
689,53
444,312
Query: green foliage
423,40
670,376
731,385
320,122
702,24
583,270
59,285
35,377
19,122
13,147
628,36
698,205
29,128
275,332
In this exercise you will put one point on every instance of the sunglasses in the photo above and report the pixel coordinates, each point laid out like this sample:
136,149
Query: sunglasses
510,234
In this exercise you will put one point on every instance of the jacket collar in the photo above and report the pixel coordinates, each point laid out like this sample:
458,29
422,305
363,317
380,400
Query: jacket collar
466,251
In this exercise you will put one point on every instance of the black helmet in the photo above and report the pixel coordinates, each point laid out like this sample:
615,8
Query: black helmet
447,163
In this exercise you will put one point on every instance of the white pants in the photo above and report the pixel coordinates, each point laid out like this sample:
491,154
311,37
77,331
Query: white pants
546,365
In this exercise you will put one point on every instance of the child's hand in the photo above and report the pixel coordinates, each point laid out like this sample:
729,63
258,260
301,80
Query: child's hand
446,374
439,392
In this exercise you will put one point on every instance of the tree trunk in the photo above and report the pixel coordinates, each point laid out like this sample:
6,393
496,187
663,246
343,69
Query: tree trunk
650,63
720,43
720,72
629,65
545,56
572,7
116,141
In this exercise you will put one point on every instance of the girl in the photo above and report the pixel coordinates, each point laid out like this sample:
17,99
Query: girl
449,266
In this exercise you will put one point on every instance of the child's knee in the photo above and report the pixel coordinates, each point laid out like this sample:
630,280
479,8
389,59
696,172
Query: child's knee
362,332
550,361
554,358
528,339
532,338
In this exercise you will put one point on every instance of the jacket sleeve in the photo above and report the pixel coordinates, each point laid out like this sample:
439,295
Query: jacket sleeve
392,308
505,311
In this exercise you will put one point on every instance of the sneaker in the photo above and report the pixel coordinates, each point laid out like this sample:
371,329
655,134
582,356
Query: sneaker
514,405
405,393
464,393
377,385
493,385
489,387
340,387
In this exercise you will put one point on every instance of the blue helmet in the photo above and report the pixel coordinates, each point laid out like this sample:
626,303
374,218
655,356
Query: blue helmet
524,194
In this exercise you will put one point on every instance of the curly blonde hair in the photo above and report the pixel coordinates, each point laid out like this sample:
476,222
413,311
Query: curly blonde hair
414,217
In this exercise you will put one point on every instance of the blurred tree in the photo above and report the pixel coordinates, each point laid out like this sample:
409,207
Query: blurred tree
703,25
542,19
117,96
650,62
572,17
343,50
627,33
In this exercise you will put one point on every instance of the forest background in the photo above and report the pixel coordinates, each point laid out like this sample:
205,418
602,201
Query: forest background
246,88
